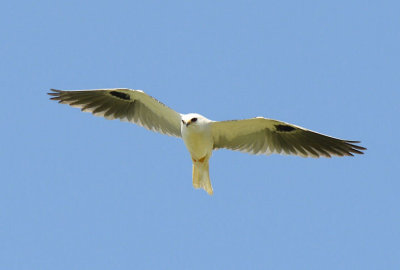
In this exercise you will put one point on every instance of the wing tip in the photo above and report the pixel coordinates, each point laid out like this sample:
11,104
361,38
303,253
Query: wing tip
354,148
55,92
55,95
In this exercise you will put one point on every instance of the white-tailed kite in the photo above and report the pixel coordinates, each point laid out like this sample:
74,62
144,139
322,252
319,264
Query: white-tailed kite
201,135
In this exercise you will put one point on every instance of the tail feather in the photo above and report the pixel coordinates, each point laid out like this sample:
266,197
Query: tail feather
201,177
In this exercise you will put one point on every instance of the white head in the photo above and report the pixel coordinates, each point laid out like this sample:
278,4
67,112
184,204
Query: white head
194,120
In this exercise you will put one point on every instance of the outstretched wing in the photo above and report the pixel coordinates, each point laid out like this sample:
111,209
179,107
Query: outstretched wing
265,136
127,105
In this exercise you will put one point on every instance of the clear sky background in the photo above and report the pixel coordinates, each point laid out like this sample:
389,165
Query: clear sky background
82,192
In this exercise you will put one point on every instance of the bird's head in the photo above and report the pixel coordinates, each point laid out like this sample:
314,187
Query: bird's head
194,119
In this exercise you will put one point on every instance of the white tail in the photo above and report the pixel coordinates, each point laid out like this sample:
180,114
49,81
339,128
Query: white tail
201,176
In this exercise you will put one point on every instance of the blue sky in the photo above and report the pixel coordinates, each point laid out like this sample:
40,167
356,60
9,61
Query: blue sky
82,192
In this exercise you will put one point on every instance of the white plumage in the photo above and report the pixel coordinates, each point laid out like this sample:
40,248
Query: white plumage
201,136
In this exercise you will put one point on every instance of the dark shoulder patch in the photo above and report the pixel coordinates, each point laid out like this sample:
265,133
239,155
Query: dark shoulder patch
284,128
120,95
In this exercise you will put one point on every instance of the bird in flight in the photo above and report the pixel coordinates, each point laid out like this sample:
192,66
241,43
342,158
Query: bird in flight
201,136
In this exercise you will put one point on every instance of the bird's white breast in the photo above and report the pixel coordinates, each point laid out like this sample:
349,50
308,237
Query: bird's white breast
198,140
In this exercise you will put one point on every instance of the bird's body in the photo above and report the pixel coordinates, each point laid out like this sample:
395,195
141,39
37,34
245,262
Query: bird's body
198,139
201,135
197,135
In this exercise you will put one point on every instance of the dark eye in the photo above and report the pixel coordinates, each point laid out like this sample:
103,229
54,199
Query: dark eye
194,119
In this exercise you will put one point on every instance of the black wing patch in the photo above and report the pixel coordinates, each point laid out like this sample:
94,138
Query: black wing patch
120,95
284,128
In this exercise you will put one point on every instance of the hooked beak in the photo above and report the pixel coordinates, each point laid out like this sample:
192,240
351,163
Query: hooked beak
187,123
